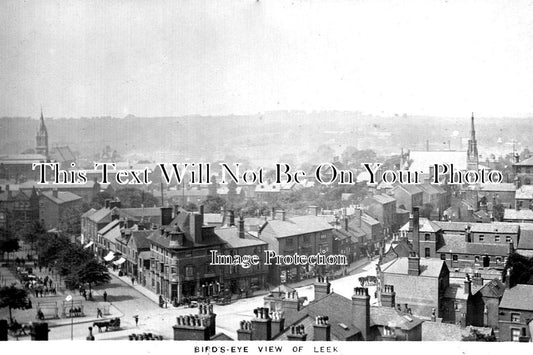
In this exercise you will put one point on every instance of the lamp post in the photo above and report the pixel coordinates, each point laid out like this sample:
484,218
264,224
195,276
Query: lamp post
69,298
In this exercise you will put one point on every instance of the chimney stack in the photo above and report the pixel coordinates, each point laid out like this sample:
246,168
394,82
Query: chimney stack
231,218
241,228
176,210
191,327
357,216
278,322
297,333
273,213
283,213
290,304
322,329
166,216
322,287
413,264
508,278
245,331
477,280
346,228
107,201
416,230
361,311
312,210
468,285
261,324
388,296
54,193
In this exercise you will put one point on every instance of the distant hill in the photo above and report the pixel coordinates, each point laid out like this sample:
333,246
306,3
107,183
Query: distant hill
260,137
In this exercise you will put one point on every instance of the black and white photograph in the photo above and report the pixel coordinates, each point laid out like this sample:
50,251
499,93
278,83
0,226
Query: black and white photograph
264,171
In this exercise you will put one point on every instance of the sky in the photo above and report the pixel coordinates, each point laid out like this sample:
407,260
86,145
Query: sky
84,58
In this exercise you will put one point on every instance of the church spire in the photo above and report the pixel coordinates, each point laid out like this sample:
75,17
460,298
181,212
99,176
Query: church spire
472,153
42,138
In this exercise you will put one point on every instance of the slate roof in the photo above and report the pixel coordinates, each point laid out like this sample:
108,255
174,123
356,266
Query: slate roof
108,227
297,225
526,239
494,228
502,187
519,297
456,292
181,224
62,197
62,154
141,238
525,162
338,309
524,192
88,213
425,225
495,288
383,199
456,244
511,213
428,267
230,235
410,189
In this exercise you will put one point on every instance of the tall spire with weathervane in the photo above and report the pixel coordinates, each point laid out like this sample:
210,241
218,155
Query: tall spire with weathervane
42,138
472,161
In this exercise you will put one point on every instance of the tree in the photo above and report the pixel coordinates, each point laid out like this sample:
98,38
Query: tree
70,220
213,204
498,211
13,298
31,233
134,198
521,270
8,243
93,273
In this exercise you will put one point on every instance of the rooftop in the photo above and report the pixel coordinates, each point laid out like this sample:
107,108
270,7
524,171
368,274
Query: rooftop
62,197
519,297
456,244
428,267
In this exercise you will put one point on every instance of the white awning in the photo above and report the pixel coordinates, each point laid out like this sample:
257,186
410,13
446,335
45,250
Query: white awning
109,256
119,261
88,244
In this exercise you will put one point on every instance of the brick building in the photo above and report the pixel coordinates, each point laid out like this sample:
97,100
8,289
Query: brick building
515,314
305,235
59,210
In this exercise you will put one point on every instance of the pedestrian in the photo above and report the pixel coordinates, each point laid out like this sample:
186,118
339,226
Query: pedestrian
136,317
105,296
85,295
133,281
99,313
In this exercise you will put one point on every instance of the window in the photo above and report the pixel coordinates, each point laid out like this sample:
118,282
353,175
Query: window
497,239
454,257
481,237
189,271
499,260
307,240
289,243
427,252
427,236
515,317
515,334
323,236
443,256
508,239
